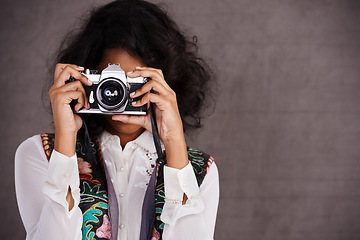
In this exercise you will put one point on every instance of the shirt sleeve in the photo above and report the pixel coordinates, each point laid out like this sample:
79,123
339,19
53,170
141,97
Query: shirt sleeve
41,189
195,219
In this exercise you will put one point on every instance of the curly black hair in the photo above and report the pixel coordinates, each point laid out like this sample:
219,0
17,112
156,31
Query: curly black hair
146,32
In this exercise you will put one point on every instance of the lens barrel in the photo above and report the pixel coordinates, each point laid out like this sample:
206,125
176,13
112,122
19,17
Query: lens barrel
111,93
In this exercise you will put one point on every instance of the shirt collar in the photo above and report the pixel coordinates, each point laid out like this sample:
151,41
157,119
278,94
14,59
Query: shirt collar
144,140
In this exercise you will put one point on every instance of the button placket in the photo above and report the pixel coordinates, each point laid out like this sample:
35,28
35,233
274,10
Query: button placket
119,179
122,183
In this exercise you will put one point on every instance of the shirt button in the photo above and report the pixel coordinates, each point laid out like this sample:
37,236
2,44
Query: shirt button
122,194
122,169
132,147
67,175
121,226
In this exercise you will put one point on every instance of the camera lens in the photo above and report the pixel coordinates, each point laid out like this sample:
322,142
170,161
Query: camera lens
111,93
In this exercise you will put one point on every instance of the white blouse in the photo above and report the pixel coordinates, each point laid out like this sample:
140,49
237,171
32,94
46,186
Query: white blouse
42,186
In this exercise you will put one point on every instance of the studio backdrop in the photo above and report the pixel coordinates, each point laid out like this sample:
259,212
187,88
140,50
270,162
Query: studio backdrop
285,132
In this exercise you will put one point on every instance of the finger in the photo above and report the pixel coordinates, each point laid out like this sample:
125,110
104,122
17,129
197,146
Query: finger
152,85
68,97
79,105
70,72
76,86
80,100
150,73
160,101
60,67
149,68
73,86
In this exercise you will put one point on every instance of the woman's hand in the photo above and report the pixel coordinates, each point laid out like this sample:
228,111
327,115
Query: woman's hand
61,95
167,114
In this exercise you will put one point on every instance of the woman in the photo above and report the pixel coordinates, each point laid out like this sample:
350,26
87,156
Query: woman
114,169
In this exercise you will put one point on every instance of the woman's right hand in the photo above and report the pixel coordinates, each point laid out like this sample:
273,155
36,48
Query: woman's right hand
61,95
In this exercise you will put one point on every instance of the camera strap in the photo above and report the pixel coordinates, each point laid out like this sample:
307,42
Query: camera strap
155,133
148,208
85,137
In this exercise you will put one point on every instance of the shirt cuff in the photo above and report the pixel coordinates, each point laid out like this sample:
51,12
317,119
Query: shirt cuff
62,174
177,182
62,170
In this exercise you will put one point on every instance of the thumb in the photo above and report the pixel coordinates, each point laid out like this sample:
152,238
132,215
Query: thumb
130,119
78,122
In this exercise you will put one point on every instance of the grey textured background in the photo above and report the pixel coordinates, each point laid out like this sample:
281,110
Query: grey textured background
285,132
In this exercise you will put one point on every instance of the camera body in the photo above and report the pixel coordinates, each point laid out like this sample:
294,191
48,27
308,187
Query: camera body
109,93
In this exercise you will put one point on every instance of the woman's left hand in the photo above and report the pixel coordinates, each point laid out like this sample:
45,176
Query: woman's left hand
166,110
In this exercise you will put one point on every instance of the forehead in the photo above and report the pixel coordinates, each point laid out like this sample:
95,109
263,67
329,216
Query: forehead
119,56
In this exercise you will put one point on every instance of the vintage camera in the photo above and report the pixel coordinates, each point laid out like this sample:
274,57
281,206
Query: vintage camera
110,91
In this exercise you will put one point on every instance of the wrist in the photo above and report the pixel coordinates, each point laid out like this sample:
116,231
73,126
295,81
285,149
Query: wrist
176,153
65,143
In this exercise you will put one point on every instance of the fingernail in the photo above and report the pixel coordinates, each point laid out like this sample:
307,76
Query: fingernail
132,94
89,81
133,103
138,67
81,67
130,72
